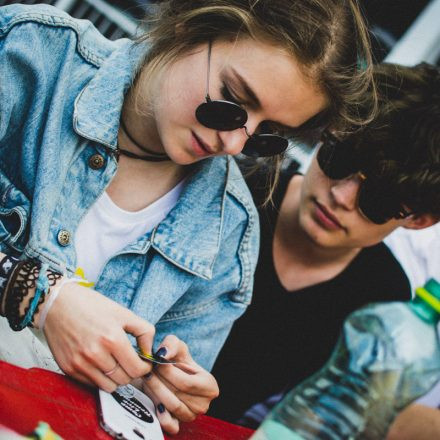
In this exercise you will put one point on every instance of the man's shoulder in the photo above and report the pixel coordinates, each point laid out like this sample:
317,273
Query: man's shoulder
380,273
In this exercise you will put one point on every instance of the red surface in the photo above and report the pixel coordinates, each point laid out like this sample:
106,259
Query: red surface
28,396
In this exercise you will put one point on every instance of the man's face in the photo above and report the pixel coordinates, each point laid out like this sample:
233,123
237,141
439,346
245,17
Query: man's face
330,216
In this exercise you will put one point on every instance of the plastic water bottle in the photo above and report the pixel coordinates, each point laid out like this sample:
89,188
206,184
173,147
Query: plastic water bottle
387,356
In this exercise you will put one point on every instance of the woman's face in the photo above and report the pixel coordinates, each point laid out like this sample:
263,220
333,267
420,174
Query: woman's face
330,216
262,78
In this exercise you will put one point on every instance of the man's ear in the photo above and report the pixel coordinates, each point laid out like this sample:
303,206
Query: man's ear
421,221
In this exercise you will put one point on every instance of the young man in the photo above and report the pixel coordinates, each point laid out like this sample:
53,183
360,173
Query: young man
322,255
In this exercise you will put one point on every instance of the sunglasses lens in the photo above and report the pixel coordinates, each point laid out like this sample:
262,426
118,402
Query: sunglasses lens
265,145
336,160
375,204
221,115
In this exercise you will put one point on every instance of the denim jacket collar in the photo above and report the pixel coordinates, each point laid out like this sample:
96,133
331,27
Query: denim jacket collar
190,235
98,106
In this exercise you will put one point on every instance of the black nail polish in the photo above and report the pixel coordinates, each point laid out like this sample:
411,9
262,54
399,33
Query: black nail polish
161,352
161,408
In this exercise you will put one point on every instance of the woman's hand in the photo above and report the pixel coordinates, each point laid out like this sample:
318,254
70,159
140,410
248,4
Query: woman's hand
87,335
181,391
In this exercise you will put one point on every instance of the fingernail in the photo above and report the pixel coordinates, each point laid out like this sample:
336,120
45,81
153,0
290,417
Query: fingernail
161,352
161,408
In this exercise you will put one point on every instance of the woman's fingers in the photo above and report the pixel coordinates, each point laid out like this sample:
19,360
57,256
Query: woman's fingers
129,360
87,334
168,398
197,402
168,423
192,385
117,374
83,379
142,330
176,350
89,374
201,383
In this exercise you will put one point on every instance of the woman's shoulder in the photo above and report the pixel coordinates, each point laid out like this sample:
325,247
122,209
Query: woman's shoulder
218,195
237,188
43,20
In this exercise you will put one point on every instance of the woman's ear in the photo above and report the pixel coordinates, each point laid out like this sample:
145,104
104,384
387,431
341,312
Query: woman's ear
421,221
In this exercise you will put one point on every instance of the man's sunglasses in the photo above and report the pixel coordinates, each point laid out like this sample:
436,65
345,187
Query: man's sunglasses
376,200
227,116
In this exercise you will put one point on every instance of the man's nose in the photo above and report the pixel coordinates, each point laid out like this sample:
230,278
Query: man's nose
345,191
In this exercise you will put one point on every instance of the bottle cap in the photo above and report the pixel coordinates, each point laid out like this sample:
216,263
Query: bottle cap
430,294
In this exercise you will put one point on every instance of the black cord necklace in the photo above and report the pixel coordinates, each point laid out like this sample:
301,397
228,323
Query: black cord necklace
152,156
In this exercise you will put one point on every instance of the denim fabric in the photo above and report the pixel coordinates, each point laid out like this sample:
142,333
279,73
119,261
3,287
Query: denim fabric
62,86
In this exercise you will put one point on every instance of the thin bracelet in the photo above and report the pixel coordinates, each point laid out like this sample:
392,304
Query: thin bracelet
52,297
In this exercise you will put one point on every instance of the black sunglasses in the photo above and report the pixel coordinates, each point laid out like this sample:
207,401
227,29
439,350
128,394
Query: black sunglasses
376,200
227,116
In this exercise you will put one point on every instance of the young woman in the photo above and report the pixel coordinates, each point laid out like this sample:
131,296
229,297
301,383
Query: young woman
322,255
115,164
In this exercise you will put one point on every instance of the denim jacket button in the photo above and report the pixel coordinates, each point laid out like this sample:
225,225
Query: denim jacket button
63,237
96,162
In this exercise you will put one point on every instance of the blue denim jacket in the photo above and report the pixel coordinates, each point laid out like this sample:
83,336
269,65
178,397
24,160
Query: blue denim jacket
62,86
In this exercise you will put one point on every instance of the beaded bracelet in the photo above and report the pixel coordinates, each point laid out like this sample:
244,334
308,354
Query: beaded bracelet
7,265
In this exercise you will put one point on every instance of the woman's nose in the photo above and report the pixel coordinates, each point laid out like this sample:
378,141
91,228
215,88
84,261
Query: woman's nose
345,191
233,141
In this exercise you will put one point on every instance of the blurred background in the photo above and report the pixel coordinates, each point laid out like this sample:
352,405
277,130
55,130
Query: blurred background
404,31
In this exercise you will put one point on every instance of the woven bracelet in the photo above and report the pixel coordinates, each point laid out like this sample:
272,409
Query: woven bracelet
23,279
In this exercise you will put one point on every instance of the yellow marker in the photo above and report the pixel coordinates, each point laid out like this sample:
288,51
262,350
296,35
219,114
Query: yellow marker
152,357
79,272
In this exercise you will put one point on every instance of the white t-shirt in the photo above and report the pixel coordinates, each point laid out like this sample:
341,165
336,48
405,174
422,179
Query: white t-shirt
106,229
418,252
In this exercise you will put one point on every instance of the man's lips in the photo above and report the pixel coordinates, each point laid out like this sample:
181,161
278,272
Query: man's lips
326,217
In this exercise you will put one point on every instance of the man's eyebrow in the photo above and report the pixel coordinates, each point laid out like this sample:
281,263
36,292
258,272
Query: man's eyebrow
253,98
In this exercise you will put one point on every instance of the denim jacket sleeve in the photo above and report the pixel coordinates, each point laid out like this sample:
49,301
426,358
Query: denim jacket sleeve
41,71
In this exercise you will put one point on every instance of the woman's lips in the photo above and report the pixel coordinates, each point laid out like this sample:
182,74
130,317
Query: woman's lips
199,147
326,218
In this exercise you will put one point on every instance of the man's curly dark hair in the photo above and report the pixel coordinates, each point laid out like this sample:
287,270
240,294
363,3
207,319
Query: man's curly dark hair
403,141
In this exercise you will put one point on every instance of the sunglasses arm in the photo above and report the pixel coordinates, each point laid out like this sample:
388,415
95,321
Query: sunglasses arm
247,132
208,98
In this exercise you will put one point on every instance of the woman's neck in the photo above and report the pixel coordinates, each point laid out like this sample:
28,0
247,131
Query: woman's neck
138,183
298,260
138,132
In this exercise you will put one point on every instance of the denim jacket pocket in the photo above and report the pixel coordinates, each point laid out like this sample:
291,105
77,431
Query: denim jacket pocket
14,214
